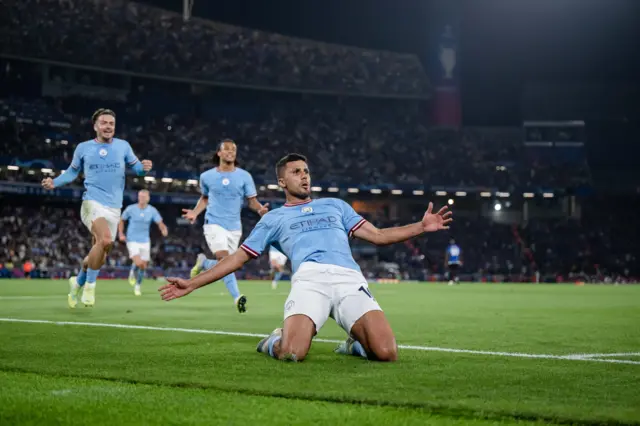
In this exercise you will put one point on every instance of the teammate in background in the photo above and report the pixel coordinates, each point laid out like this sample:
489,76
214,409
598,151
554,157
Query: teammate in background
140,216
453,260
277,260
224,190
103,161
327,281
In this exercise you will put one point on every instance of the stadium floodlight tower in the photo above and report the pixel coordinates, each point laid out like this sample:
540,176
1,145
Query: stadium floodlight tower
187,7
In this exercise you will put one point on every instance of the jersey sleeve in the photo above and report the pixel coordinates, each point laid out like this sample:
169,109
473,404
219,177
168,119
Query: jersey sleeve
260,238
351,220
204,186
130,157
157,218
78,155
126,214
249,187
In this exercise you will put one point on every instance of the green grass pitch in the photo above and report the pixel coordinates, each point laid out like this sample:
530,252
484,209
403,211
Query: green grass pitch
531,354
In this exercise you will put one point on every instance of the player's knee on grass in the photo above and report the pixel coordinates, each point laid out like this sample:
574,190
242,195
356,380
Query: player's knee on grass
374,333
296,337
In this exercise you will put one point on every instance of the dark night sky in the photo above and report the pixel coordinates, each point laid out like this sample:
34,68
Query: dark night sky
504,43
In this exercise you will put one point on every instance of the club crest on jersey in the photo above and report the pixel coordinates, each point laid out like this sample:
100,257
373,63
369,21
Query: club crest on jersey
103,152
225,181
307,209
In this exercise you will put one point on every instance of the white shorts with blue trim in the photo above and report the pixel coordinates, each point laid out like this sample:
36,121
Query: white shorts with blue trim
320,291
220,239
92,210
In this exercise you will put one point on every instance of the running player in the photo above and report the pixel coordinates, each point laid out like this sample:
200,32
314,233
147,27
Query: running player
224,190
103,161
327,281
277,260
453,260
138,241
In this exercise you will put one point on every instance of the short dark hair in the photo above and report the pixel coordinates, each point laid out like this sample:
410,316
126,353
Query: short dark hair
216,158
289,158
102,111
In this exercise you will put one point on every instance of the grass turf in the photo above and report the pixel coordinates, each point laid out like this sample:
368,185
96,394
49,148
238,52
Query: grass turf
67,373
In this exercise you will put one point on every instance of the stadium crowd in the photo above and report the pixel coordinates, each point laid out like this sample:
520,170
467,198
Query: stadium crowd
350,141
122,32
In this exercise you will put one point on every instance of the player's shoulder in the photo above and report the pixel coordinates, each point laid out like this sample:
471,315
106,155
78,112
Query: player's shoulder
208,173
85,144
118,141
330,201
242,172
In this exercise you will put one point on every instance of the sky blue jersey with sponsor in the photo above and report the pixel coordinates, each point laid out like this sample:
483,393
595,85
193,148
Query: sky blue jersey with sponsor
227,192
104,166
454,254
312,231
139,222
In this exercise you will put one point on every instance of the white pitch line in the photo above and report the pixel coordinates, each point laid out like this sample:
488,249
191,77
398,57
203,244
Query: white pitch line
604,355
409,347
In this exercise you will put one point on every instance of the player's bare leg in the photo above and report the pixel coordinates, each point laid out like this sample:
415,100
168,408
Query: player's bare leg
374,335
103,243
275,274
292,342
140,267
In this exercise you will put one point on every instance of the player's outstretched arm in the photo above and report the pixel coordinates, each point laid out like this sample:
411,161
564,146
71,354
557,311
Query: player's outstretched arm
67,177
255,205
163,229
192,214
121,236
179,287
431,222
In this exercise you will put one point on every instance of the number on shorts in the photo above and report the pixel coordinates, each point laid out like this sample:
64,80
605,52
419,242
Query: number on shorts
365,291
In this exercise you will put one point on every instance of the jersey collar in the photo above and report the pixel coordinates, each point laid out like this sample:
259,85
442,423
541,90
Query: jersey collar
298,203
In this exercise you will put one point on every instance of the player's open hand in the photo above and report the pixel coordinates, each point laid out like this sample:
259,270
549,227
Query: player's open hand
147,165
47,183
264,209
122,238
190,215
177,287
433,222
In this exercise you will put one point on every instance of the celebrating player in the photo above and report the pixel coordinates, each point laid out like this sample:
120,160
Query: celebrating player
224,189
139,216
103,161
277,259
327,281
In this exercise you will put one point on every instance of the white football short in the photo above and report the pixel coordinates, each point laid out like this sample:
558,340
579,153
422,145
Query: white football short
139,249
320,291
219,239
275,257
92,210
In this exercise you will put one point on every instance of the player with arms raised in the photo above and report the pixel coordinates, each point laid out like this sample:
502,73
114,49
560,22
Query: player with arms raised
224,190
139,216
314,234
103,161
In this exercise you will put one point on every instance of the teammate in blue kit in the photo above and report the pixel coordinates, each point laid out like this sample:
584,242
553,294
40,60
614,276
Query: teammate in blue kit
103,161
224,190
326,280
139,216
277,259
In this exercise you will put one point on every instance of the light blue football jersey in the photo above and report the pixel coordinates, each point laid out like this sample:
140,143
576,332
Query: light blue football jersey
313,231
227,192
104,166
139,222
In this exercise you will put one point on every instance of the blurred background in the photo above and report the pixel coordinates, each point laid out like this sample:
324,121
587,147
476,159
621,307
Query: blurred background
523,116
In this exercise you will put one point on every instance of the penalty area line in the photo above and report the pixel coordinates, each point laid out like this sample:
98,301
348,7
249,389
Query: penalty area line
582,357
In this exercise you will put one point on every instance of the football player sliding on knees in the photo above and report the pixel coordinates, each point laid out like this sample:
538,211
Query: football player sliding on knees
326,280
